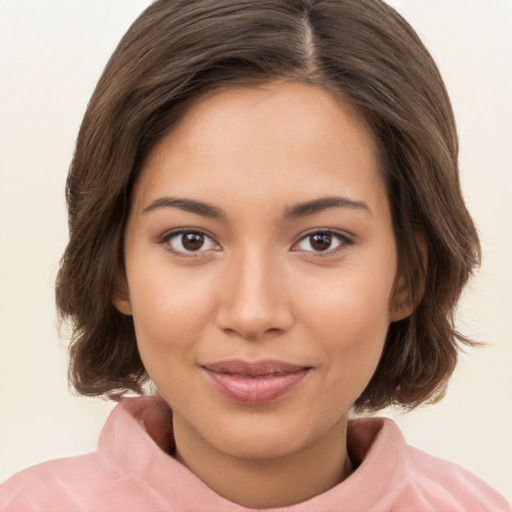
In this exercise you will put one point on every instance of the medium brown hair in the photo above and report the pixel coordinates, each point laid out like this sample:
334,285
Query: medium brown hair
178,50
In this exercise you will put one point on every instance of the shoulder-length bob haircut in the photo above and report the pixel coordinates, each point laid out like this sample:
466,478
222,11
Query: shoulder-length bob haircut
364,51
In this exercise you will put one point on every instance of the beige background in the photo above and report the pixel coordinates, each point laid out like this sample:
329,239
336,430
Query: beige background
51,54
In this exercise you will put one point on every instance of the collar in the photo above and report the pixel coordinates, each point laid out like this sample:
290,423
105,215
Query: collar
137,440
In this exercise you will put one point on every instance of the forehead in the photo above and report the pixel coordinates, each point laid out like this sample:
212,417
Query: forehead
287,137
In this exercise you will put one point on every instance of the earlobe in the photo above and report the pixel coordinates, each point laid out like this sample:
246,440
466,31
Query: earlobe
401,306
406,297
121,297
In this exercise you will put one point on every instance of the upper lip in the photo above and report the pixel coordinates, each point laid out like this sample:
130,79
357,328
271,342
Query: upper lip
268,367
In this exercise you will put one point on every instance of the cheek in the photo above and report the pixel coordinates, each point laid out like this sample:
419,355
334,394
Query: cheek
350,323
354,337
169,317
350,305
353,345
169,310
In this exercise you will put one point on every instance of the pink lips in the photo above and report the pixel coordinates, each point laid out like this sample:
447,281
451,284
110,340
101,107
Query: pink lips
255,383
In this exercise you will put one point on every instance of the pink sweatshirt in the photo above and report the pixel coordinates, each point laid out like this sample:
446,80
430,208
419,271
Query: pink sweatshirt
131,471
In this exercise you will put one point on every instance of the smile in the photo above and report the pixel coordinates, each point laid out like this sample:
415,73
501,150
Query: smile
255,383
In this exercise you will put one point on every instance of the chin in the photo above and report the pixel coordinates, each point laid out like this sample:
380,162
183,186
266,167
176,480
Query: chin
258,436
261,444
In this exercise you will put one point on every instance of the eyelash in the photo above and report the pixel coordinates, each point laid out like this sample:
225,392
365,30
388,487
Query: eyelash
167,237
342,238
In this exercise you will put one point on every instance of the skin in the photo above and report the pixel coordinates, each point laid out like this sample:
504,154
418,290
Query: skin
258,287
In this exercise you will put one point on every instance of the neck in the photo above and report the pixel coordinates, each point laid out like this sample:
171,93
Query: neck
268,482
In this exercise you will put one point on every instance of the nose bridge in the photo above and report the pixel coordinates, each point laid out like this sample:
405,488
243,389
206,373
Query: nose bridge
254,299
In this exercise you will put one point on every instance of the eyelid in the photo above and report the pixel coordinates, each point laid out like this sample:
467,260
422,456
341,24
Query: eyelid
168,235
345,239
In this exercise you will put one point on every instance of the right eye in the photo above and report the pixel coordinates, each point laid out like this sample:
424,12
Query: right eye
188,242
323,242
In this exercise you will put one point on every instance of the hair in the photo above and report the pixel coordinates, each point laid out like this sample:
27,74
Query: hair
177,51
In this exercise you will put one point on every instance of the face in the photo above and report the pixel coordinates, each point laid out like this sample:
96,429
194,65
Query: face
261,268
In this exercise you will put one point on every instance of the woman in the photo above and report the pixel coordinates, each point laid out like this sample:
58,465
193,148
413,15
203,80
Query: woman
266,221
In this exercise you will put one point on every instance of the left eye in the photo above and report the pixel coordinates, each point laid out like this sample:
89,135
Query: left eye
189,242
321,241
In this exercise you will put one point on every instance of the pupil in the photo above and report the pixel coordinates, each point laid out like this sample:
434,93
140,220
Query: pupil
192,241
321,242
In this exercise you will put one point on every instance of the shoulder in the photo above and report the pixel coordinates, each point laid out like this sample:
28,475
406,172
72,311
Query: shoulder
124,473
411,479
55,484
440,479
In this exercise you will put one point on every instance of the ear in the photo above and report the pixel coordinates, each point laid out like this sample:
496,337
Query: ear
121,296
403,303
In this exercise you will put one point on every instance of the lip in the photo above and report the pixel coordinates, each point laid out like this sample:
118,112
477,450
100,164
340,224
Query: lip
255,382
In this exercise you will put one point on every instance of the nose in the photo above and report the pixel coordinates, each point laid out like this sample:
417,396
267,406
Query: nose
254,300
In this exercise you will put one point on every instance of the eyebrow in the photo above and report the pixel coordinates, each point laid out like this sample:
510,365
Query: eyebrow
324,203
293,212
188,205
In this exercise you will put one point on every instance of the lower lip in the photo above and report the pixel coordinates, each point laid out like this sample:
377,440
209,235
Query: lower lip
256,390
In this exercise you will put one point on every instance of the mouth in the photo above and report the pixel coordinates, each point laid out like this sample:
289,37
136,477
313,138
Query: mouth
255,383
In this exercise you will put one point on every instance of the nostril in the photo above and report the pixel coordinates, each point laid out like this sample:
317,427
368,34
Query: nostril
252,335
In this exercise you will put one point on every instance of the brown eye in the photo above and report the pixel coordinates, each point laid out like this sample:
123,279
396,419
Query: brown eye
192,241
186,242
322,242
